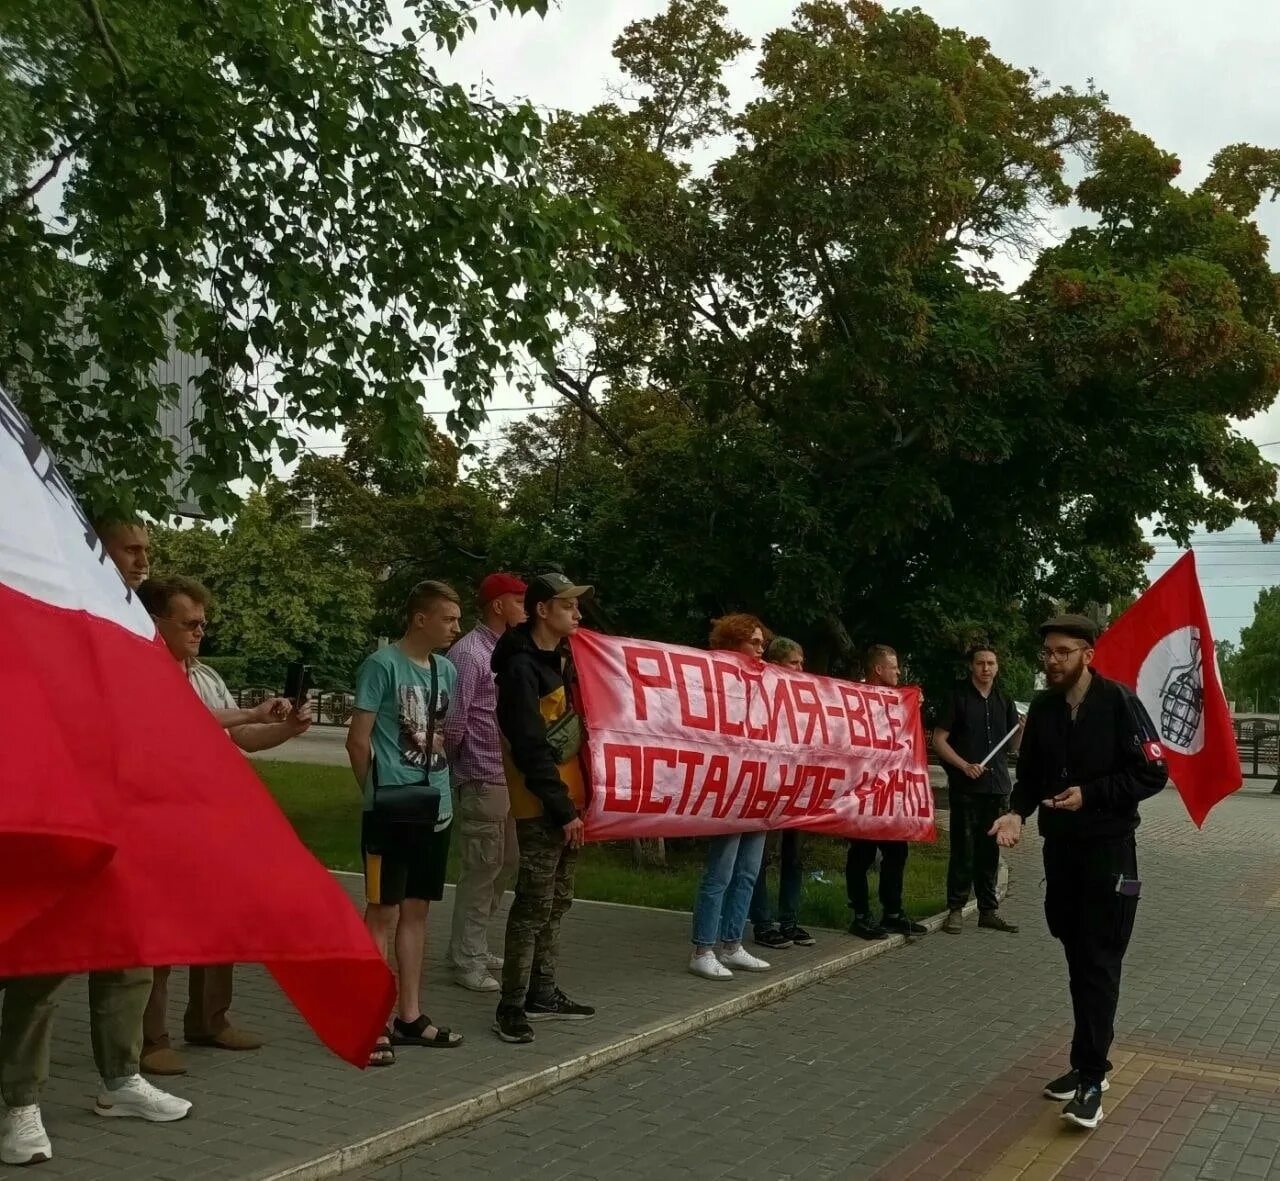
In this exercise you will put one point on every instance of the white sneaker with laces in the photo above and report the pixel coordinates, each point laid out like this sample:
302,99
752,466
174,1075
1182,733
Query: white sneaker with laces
493,963
741,958
479,981
708,967
23,1140
138,1099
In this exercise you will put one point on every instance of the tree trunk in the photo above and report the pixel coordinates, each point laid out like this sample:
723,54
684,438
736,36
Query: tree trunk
649,852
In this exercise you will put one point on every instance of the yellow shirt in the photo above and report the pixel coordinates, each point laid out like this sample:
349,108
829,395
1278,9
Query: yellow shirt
524,804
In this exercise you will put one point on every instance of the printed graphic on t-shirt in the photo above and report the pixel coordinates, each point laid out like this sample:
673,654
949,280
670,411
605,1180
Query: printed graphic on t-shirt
413,727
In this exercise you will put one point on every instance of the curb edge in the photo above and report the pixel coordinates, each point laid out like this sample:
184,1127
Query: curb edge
493,1100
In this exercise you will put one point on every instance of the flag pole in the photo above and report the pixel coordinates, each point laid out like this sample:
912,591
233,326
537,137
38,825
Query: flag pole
999,746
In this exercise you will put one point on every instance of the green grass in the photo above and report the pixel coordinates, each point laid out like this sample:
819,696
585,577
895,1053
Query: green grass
324,807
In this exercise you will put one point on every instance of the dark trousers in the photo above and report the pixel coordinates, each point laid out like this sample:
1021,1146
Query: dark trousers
893,864
1094,924
789,881
209,990
543,894
974,862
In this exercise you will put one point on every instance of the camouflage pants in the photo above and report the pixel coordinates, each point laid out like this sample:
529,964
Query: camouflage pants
543,892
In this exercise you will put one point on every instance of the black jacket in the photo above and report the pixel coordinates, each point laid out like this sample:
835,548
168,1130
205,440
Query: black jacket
526,677
1111,752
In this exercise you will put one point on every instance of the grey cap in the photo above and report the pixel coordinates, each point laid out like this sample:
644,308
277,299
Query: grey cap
552,585
1078,627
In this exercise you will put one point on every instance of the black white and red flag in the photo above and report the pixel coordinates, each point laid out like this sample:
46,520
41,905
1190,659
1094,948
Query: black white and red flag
1163,650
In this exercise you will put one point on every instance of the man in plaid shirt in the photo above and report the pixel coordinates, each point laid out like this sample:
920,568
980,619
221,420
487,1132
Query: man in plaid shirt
486,832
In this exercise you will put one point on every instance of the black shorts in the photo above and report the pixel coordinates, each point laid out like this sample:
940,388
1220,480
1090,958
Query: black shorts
403,860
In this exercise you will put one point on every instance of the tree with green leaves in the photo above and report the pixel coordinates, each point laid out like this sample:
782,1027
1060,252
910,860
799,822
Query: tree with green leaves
398,520
280,594
803,389
1251,671
284,188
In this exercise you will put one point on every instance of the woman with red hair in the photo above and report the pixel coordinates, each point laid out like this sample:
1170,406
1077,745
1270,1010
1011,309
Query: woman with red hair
733,862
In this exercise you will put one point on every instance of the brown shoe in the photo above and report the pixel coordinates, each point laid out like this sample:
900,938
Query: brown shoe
991,920
954,923
230,1038
162,1060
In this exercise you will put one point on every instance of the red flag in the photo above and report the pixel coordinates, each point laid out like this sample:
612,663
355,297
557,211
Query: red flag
132,830
1162,648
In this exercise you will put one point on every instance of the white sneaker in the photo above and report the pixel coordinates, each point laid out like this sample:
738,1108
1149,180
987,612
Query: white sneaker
23,1140
742,958
708,967
479,981
493,963
138,1099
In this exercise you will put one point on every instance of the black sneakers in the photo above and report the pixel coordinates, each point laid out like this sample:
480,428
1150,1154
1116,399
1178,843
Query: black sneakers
1065,1087
773,939
866,927
899,924
993,920
557,1007
799,936
511,1025
1085,1110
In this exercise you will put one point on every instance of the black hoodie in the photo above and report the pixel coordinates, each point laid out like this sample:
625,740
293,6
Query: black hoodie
532,694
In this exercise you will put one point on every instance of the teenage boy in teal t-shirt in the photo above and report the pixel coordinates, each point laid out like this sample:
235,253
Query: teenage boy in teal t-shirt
397,737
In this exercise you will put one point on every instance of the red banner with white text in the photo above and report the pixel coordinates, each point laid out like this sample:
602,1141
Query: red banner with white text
682,742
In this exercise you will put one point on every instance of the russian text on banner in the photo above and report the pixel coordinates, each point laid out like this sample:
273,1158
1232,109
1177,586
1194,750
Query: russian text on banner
132,831
682,742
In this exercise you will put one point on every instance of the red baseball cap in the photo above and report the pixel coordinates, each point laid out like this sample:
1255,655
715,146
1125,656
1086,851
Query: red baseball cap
496,585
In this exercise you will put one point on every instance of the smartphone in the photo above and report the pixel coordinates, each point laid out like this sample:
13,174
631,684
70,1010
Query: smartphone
297,683
1128,887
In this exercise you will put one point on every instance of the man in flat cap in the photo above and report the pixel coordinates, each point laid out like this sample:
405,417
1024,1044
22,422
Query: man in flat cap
1089,755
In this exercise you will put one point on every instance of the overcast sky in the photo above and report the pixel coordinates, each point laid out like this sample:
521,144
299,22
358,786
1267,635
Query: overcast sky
1193,76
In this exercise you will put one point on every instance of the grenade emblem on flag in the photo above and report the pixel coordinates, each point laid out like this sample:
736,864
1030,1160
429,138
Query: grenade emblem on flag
1182,697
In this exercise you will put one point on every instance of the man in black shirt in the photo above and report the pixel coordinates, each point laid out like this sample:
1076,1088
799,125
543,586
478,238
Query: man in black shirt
1089,755
974,722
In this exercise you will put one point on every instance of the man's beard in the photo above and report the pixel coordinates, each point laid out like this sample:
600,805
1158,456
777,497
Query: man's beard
1068,682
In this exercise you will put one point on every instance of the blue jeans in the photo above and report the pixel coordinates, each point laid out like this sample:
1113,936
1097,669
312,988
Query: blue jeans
789,875
724,893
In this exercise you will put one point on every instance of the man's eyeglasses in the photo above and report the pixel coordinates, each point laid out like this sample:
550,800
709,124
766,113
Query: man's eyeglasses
190,625
1059,654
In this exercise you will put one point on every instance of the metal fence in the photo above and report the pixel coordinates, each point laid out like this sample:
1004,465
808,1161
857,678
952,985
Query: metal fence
1258,741
333,707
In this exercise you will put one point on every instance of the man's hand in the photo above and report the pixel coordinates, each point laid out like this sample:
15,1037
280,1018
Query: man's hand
974,770
299,722
1007,830
1071,800
437,743
274,709
574,832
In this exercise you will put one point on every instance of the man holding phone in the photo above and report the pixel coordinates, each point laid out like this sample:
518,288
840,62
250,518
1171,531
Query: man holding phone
179,606
1089,755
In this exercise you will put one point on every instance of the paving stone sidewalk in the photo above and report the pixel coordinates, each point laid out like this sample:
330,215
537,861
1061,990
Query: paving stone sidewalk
272,1112
927,1063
